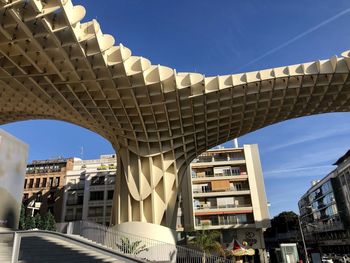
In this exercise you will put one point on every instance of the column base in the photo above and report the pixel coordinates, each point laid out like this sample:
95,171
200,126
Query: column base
155,242
148,231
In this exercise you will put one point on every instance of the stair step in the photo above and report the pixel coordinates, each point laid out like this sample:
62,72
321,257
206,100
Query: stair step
49,249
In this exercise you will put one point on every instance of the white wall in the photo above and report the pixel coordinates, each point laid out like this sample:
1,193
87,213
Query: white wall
13,163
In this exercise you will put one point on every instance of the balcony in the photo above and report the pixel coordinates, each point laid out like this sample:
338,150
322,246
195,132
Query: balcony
319,227
221,158
209,177
40,171
229,191
210,159
207,207
222,223
204,159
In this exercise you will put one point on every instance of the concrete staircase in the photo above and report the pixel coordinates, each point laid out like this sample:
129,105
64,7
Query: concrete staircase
6,241
55,249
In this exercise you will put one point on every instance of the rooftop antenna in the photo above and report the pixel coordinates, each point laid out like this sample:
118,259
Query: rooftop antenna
82,152
235,143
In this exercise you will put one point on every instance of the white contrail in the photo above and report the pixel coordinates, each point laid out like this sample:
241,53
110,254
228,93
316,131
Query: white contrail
312,29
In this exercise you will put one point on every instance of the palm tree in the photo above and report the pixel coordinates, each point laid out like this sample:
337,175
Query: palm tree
206,241
129,247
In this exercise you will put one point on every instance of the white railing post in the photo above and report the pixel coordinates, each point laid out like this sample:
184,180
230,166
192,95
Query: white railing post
16,247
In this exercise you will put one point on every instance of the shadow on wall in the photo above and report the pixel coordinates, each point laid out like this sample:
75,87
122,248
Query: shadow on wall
51,200
11,218
9,210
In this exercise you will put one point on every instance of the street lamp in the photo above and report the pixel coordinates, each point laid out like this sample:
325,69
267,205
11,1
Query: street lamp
302,237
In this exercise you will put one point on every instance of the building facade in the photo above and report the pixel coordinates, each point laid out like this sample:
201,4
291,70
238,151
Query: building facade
227,193
89,189
325,210
44,185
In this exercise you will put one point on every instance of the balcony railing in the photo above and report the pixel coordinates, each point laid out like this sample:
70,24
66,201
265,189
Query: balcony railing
325,227
223,222
40,171
209,159
194,175
220,159
221,206
209,190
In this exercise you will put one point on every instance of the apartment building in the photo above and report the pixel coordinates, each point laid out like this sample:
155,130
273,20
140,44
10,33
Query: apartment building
89,190
227,193
43,186
325,210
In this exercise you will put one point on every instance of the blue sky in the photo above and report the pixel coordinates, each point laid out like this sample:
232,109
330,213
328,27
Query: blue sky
224,37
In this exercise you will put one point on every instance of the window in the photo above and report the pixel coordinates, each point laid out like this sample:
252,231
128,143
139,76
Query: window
243,170
70,214
44,182
39,197
25,196
98,180
235,170
111,180
75,198
326,187
241,219
57,181
222,171
96,195
108,210
80,199
31,182
25,183
51,181
332,210
37,183
95,211
78,213
328,198
110,195
237,186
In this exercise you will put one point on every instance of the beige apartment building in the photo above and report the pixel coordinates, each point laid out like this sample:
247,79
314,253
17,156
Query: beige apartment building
89,189
227,193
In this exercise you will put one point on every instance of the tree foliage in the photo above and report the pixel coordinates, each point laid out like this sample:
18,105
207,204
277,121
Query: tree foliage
129,247
206,241
43,223
22,219
30,223
283,223
39,222
49,222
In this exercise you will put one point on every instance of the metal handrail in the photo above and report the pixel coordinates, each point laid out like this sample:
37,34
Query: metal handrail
18,235
149,250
